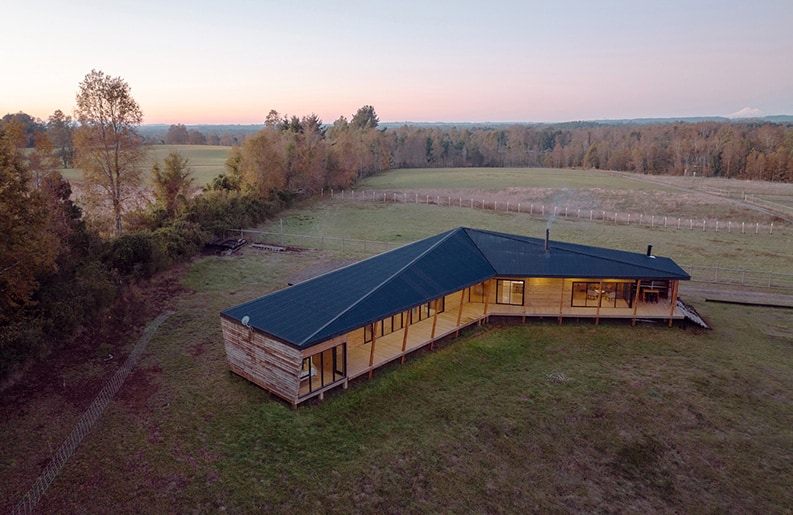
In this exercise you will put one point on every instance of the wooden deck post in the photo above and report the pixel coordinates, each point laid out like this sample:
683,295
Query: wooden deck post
434,323
636,301
487,296
600,301
406,323
673,302
561,302
460,312
371,353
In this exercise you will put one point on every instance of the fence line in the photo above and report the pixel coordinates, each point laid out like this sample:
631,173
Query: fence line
543,211
722,192
739,276
87,421
775,206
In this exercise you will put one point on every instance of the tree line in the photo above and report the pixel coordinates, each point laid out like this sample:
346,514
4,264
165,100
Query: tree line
741,150
750,149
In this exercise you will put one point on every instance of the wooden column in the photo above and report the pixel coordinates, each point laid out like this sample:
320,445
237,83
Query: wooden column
600,301
406,324
561,302
487,297
371,353
673,302
434,323
460,312
636,301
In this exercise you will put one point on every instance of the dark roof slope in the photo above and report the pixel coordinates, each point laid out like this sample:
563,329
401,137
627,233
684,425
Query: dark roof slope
513,255
351,297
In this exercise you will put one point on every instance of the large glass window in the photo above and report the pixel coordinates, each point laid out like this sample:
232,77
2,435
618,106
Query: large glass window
476,293
400,320
606,294
386,326
323,369
425,311
509,292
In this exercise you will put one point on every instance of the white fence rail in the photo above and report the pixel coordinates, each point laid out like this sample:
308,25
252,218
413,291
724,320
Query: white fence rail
547,211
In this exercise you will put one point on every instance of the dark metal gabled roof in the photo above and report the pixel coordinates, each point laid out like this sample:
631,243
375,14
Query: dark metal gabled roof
337,302
521,256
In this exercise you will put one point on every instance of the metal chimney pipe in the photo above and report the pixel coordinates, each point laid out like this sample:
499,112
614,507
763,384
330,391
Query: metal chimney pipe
649,250
547,237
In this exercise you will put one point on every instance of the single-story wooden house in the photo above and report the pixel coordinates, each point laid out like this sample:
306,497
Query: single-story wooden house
305,339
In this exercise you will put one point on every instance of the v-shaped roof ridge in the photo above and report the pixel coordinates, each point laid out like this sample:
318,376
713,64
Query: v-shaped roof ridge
388,279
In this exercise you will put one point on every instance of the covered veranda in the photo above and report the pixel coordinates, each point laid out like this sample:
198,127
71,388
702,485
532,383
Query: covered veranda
548,301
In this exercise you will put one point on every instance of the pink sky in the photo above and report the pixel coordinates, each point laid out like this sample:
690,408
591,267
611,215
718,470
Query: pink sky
213,62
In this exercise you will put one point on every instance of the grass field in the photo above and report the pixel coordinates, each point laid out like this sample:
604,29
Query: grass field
500,179
205,161
528,418
402,223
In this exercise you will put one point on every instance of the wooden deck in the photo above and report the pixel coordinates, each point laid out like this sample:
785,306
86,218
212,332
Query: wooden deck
544,298
361,360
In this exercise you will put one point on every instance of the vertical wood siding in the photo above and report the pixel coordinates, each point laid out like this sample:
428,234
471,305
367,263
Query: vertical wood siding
270,364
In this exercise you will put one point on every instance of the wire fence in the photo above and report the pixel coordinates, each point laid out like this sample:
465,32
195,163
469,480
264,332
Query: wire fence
561,211
87,421
775,206
280,241
739,276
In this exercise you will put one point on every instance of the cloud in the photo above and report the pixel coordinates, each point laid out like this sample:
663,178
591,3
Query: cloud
747,112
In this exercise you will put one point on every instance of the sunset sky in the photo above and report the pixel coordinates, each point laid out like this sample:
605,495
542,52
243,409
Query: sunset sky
232,61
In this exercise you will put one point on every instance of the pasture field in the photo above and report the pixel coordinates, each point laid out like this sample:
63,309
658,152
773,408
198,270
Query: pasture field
528,418
399,223
501,179
606,193
206,161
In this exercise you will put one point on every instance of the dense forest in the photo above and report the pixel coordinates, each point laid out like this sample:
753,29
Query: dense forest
743,149
69,266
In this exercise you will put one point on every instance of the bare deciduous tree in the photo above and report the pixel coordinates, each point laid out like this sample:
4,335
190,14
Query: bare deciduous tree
109,149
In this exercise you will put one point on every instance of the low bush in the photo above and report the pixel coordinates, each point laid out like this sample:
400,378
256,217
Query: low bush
135,256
